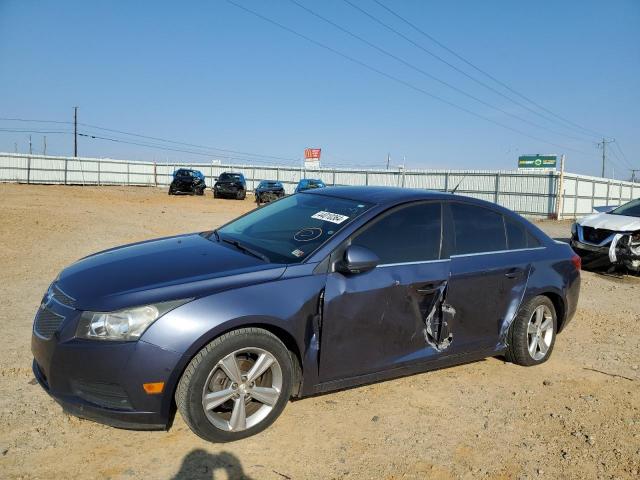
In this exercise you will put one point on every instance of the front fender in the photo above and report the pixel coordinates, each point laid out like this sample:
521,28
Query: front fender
286,305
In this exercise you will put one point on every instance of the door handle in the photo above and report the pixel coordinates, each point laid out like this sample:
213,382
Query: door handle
514,273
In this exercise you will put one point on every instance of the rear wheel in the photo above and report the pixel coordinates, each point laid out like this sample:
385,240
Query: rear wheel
533,332
241,195
236,386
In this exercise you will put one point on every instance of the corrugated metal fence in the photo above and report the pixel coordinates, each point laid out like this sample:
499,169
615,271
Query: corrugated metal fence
532,193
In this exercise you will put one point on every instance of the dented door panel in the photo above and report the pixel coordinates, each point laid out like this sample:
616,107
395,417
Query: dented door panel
486,291
378,320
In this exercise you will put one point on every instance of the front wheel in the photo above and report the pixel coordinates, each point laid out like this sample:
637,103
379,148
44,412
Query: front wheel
236,386
533,332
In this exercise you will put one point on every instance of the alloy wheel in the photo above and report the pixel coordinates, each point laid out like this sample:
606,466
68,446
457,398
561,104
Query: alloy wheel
242,389
540,332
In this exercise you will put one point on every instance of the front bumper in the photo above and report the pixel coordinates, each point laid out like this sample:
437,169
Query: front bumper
102,381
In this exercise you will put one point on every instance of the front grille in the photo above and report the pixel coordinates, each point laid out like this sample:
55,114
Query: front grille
47,322
595,235
61,297
107,395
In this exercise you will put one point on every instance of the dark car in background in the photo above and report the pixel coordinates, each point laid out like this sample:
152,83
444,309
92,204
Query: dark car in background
189,181
309,184
268,190
230,185
319,291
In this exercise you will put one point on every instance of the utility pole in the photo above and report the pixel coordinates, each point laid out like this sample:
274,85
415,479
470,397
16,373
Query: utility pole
633,174
15,146
44,146
75,131
604,149
388,160
30,152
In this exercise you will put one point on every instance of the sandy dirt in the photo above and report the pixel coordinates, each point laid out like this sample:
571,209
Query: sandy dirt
576,416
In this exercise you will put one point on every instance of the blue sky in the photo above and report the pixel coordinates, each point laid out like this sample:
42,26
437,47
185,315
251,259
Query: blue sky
211,74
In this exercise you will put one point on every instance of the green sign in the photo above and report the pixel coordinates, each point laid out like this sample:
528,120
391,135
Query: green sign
537,161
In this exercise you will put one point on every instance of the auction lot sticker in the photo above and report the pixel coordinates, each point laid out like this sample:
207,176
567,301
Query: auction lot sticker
329,217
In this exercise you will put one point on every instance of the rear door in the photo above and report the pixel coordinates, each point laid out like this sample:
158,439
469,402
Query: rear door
488,274
376,320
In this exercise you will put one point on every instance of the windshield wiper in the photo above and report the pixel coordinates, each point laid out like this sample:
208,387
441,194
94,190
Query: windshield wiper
248,250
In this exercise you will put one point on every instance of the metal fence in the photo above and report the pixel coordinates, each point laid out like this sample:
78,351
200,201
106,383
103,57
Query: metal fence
531,193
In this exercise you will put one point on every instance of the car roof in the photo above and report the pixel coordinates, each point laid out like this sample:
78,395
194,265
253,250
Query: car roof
394,195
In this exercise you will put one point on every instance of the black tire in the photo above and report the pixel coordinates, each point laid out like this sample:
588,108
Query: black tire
171,192
200,192
519,340
189,393
215,194
241,195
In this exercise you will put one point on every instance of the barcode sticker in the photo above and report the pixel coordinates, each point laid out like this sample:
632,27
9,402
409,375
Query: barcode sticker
329,217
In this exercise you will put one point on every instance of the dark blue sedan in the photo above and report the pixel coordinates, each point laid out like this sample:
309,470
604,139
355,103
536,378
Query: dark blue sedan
318,291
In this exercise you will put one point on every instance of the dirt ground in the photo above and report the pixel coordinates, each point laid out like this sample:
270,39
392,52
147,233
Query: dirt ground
576,416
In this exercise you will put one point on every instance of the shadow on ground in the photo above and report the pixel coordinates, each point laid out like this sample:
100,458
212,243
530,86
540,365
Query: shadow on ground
202,465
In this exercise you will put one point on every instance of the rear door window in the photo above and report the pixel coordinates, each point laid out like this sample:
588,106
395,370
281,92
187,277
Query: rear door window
477,229
518,235
409,234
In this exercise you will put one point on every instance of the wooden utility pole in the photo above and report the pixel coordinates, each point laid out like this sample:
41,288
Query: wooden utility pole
75,131
604,154
44,145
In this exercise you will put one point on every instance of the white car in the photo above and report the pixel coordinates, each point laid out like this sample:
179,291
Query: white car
611,236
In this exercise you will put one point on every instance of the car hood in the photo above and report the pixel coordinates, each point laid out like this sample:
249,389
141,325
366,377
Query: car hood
158,270
618,223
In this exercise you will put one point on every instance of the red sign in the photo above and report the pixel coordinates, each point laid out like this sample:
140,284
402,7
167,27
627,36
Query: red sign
312,153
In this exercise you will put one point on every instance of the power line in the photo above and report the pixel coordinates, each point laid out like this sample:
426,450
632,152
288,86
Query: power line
396,79
148,137
187,144
171,149
14,130
427,74
504,85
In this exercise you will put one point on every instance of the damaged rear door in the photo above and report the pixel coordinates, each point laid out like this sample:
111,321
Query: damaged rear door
488,273
377,320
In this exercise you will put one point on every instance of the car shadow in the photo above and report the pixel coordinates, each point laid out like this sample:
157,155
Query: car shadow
202,465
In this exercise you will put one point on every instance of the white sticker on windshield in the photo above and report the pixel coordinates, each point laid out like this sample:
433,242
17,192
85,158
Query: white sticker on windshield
329,217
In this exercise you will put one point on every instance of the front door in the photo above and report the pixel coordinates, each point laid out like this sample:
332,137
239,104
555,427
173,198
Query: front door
378,320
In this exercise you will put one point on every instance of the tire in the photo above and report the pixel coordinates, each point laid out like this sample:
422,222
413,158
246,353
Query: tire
204,376
241,195
200,192
171,192
526,344
215,194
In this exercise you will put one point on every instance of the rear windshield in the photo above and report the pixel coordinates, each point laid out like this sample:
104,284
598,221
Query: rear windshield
183,173
288,230
269,184
230,177
631,209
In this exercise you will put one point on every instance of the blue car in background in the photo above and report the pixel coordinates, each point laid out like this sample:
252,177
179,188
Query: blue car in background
308,184
319,291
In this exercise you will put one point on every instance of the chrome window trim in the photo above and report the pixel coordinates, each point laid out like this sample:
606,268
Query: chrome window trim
420,262
498,251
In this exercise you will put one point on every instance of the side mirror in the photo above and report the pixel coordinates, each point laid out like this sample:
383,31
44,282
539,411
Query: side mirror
357,259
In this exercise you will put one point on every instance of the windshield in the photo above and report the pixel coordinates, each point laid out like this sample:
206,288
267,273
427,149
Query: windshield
230,177
267,184
288,230
182,173
631,209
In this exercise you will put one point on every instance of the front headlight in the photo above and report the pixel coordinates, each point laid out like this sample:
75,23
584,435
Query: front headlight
123,325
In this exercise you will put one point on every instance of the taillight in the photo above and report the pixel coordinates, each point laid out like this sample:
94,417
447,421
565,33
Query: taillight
577,261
